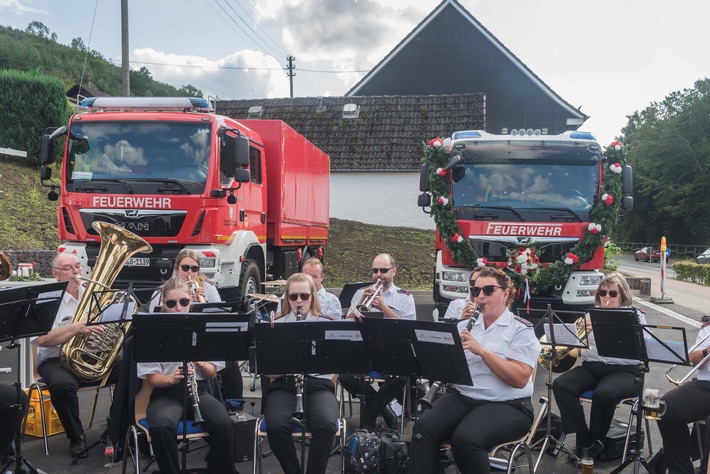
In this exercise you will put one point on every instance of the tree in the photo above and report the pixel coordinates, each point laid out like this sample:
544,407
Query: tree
78,43
190,91
668,144
38,28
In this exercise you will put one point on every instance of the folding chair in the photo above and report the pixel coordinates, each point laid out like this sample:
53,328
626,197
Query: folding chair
141,428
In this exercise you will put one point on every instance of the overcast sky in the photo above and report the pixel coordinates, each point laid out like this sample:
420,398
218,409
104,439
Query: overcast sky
611,57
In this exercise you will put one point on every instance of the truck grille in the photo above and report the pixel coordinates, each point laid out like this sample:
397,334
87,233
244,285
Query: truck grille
548,250
150,223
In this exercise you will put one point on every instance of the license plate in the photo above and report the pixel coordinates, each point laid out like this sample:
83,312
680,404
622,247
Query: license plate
138,262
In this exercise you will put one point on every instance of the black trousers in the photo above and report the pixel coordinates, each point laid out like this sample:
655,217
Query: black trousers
688,403
375,400
232,383
472,427
9,418
321,412
165,412
63,386
610,383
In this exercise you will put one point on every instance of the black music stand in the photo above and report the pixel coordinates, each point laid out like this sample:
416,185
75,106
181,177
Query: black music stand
557,334
619,334
25,312
185,337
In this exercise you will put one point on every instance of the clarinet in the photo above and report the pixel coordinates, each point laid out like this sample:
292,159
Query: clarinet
474,317
192,392
298,313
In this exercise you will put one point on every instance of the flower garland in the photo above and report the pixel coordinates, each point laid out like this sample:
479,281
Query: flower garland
604,215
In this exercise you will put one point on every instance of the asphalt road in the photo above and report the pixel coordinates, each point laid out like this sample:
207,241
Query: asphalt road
686,312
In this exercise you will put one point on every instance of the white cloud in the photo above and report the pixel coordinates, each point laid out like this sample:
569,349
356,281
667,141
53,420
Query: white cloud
19,8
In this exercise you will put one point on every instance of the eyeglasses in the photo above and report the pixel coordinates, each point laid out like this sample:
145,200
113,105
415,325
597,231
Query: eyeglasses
172,303
612,293
294,296
487,290
381,270
188,268
68,268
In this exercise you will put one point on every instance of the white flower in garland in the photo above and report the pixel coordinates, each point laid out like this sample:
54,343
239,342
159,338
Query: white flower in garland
524,261
594,228
443,200
615,168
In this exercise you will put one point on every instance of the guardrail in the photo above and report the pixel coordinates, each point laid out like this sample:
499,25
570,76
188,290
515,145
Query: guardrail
677,250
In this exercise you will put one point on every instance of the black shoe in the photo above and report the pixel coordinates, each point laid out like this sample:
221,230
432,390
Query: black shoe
390,417
594,450
77,447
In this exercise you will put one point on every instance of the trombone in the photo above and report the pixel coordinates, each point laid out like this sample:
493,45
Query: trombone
695,368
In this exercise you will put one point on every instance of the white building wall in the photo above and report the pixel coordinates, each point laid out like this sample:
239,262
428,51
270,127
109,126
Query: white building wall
381,198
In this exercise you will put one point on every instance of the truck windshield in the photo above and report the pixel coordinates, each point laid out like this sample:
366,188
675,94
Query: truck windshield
140,157
526,185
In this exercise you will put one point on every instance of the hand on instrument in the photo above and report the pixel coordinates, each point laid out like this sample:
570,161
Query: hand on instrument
468,310
471,344
379,303
89,330
177,376
588,323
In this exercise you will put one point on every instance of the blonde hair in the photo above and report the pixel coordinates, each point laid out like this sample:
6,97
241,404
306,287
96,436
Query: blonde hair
299,277
173,283
187,253
615,278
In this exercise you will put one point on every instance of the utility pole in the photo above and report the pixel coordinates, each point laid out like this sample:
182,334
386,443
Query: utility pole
291,74
125,65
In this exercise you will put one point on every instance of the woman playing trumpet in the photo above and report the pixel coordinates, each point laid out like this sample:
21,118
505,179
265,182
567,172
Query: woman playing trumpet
165,409
612,379
685,404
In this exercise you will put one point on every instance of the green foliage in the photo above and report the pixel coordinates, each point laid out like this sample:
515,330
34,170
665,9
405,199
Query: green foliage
34,277
603,214
612,252
36,49
693,272
31,102
668,145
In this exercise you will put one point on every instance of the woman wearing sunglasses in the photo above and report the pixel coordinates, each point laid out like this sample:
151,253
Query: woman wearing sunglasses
165,409
187,269
612,379
319,402
501,350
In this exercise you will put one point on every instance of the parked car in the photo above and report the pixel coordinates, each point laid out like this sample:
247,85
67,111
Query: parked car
703,257
648,254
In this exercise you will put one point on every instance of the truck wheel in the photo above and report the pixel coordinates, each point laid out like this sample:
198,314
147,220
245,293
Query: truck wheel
250,280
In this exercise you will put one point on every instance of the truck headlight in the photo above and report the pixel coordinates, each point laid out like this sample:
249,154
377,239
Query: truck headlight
454,276
208,262
590,280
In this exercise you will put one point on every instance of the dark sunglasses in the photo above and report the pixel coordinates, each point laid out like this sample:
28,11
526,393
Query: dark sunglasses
294,296
381,270
187,268
172,303
612,293
487,290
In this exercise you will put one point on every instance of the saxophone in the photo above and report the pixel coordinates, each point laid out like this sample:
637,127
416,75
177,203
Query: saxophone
562,360
90,357
194,396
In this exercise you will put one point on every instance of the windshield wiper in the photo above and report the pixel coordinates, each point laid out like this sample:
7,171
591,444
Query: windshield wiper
563,209
176,182
120,181
479,207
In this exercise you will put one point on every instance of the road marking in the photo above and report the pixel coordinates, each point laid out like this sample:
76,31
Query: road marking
672,314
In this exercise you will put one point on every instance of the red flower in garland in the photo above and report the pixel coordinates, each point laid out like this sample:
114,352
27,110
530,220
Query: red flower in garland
457,238
607,199
441,172
435,142
571,259
616,145
443,200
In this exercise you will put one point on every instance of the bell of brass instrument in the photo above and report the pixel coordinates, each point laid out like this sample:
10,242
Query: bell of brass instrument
5,267
195,296
427,401
194,395
90,357
696,367
562,360
367,304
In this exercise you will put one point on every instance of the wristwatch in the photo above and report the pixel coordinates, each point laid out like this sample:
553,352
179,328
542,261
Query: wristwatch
705,352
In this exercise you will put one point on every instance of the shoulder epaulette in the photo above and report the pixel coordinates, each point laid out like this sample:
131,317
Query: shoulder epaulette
325,316
705,325
524,321
400,290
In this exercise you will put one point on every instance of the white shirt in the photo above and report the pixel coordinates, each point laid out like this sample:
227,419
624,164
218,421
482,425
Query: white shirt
168,368
399,301
456,308
65,314
592,355
329,304
508,337
703,372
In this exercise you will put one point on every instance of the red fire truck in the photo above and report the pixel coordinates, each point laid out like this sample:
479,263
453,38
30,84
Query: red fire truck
251,197
518,190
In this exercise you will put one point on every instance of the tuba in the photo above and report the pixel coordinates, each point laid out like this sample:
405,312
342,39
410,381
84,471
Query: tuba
562,360
5,267
90,357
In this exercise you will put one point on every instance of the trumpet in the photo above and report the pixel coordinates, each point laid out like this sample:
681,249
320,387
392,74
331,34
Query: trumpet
195,296
367,304
692,371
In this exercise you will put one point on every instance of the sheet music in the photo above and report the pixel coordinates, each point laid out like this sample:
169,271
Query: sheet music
565,334
434,336
49,295
657,352
112,313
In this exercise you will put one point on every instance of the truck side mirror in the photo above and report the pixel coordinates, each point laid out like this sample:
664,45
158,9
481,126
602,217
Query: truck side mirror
627,203
47,154
242,175
424,200
424,178
627,179
241,151
45,172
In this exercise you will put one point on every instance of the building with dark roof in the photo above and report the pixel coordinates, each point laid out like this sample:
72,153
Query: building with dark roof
450,52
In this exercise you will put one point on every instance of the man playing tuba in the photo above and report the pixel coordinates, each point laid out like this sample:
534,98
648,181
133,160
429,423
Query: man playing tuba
62,383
